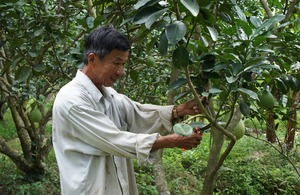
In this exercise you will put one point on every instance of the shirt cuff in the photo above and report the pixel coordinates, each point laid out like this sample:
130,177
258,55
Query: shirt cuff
143,147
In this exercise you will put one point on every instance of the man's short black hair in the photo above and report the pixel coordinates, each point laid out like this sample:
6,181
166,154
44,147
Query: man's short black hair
102,40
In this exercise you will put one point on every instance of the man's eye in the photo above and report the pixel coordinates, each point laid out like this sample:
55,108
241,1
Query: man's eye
119,64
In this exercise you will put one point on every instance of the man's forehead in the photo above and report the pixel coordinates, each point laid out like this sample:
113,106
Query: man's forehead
119,54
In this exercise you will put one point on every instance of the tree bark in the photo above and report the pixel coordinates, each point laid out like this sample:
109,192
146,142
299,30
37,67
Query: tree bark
289,138
214,154
159,174
158,171
91,9
266,7
270,126
215,159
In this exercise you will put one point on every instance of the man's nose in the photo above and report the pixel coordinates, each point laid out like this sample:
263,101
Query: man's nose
120,71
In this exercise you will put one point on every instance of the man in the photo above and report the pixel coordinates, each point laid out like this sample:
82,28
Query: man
97,131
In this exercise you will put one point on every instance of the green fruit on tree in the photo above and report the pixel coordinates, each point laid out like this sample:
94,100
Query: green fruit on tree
239,130
150,61
265,73
35,115
266,99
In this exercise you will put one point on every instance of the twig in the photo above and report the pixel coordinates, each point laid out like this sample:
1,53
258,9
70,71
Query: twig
280,152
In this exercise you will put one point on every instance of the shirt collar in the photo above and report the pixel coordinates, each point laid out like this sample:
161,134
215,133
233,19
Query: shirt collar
91,88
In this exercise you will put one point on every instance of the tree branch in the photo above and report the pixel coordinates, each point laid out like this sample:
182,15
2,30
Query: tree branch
266,7
285,156
91,9
290,10
13,155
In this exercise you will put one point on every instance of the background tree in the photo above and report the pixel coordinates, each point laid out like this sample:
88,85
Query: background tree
38,49
227,51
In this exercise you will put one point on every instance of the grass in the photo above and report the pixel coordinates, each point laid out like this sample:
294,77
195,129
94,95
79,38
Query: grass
253,167
7,127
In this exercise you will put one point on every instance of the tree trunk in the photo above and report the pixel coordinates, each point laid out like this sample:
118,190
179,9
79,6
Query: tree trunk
291,125
214,155
35,146
3,108
270,126
158,171
159,175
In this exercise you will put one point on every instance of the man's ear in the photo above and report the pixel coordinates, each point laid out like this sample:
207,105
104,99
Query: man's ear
91,58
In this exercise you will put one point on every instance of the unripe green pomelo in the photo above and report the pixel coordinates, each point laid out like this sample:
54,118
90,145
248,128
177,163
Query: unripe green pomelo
239,130
265,73
266,99
150,61
35,115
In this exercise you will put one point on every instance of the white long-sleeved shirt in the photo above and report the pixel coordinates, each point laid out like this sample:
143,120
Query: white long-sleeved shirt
95,136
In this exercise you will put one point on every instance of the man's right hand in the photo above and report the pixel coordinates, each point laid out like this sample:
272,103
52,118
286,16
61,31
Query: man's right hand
176,141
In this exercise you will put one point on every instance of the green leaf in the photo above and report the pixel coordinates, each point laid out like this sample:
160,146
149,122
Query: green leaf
232,79
32,54
244,108
181,95
209,62
265,49
265,26
256,21
178,83
258,40
241,34
240,13
181,57
134,75
38,32
163,44
140,4
175,32
206,16
192,6
214,90
154,17
294,83
143,14
183,129
213,33
204,41
39,67
281,85
23,74
255,63
251,93
15,62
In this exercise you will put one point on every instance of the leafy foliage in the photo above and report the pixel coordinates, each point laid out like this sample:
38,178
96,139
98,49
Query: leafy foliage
232,49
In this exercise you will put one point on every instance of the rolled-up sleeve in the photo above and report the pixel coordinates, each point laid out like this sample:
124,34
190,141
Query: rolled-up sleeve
147,118
96,134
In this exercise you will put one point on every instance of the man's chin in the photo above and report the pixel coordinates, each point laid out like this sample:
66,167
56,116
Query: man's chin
109,84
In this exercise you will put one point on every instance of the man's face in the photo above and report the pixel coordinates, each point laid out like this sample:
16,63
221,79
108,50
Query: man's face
107,71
